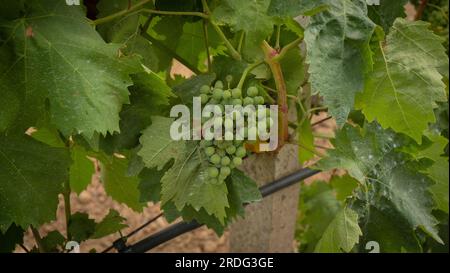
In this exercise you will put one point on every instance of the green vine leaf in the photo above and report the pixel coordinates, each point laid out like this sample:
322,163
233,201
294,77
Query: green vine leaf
318,206
81,170
341,235
375,223
53,241
54,54
406,88
10,238
294,8
150,96
81,227
118,185
126,31
31,171
185,183
386,12
248,16
358,151
112,223
337,41
241,190
396,183
439,172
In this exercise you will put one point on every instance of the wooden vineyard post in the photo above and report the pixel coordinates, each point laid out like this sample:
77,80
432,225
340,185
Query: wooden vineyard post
269,226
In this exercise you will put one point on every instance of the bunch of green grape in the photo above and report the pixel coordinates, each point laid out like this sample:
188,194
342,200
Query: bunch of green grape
225,155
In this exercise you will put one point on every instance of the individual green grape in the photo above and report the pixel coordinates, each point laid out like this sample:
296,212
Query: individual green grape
210,151
213,172
229,79
226,94
228,101
217,94
241,152
225,161
225,171
204,98
236,93
213,101
248,101
222,107
219,85
215,159
232,166
237,161
214,181
208,143
238,143
222,177
231,150
252,91
259,100
237,102
221,153
205,89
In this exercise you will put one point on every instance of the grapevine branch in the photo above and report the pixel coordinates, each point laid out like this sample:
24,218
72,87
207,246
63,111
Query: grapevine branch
270,54
205,15
120,13
246,72
208,53
234,53
421,9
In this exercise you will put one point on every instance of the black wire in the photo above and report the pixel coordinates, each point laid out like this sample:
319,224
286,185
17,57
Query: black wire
178,229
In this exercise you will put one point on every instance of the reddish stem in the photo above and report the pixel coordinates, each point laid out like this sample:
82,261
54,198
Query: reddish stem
421,9
275,67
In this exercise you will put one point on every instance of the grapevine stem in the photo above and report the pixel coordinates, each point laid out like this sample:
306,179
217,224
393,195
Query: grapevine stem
277,44
208,53
317,109
246,72
120,13
180,13
270,59
37,238
228,44
234,53
286,49
421,9
206,7
241,42
323,136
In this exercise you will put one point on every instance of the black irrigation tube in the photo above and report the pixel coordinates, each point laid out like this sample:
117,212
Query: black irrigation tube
178,229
